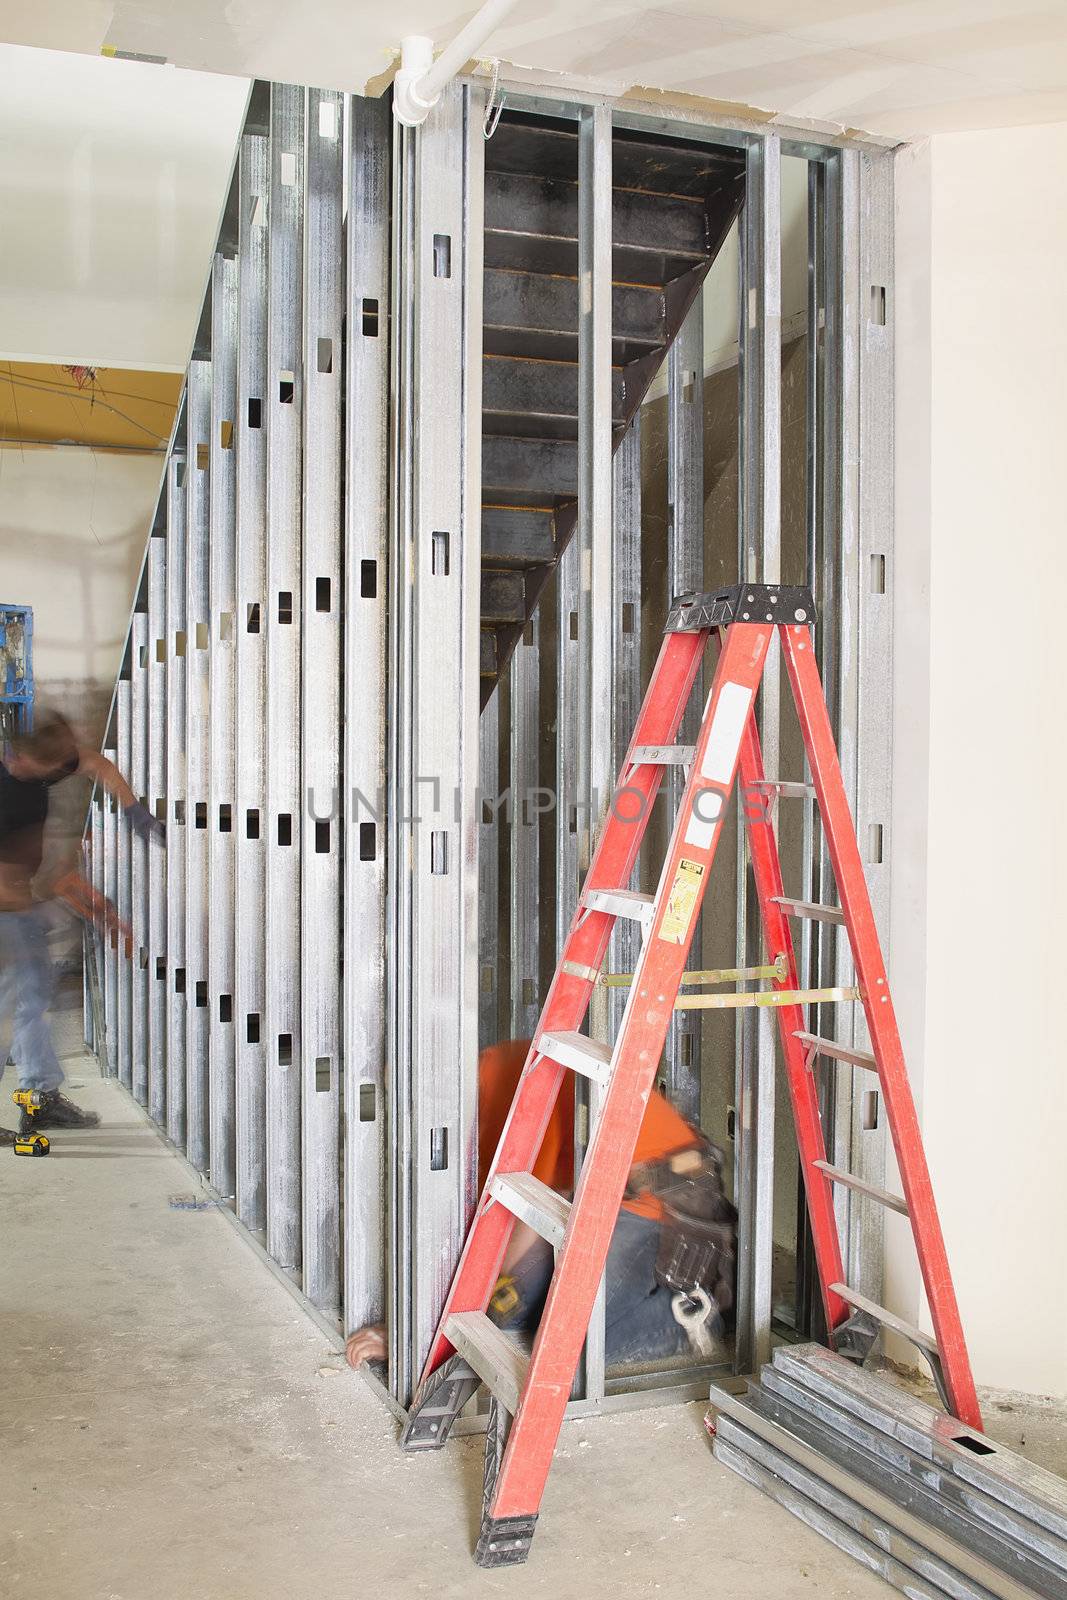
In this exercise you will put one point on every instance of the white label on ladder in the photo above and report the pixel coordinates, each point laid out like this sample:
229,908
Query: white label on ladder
720,757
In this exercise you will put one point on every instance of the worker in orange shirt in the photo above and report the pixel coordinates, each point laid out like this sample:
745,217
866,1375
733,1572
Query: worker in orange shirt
670,1268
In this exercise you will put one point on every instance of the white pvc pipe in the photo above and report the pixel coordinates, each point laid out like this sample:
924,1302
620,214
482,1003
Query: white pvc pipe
420,79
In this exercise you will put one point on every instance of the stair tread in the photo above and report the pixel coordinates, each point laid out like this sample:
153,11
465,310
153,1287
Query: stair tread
533,1202
497,1357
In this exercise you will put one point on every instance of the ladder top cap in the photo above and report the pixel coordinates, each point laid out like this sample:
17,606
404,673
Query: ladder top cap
741,602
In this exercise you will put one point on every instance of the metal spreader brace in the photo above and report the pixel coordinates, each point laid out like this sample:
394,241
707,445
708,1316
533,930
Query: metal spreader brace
530,1389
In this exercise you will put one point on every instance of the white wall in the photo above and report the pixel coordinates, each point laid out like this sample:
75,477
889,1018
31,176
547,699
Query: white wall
113,176
73,525
980,854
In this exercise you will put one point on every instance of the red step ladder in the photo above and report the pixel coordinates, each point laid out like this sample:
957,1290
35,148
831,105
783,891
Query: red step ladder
530,1390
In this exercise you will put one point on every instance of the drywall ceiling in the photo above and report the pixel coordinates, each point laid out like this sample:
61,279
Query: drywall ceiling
112,180
894,67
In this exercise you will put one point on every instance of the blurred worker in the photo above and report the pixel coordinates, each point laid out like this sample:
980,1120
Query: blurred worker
32,763
670,1268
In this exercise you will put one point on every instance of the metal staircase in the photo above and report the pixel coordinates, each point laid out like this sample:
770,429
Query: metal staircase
673,204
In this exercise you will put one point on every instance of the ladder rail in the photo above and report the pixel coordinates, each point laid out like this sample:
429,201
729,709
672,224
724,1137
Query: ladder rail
649,1007
778,936
845,858
568,997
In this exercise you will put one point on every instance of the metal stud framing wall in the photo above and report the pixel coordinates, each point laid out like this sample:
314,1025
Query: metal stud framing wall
315,952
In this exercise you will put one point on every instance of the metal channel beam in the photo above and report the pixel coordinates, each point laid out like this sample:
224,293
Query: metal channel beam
198,770
177,809
685,572
320,855
138,781
250,687
221,742
156,776
366,528
595,539
760,484
111,942
433,972
88,1031
489,874
626,646
283,408
123,901
524,768
101,1044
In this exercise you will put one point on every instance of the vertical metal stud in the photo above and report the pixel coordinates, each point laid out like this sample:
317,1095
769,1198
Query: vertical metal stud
435,587
221,739
112,942
198,770
626,649
156,971
595,533
137,776
525,855
101,1042
759,559
567,873
177,805
320,894
283,408
123,902
685,572
250,685
366,525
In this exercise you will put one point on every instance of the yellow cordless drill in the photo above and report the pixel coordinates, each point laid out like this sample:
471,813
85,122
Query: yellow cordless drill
30,1144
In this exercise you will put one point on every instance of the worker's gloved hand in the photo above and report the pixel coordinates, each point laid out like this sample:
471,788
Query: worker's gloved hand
143,823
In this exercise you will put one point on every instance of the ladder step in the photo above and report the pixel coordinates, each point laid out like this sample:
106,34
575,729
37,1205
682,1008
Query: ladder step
534,1203
621,903
662,755
888,1319
587,1056
785,790
497,1358
895,1202
805,909
839,1052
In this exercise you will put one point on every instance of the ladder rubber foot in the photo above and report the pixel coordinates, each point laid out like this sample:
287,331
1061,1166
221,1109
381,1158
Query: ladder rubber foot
504,1541
437,1405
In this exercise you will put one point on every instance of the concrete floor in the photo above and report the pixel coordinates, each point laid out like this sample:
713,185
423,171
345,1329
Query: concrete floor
175,1428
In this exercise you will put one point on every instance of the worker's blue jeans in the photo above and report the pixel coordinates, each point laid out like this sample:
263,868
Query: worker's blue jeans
639,1324
27,986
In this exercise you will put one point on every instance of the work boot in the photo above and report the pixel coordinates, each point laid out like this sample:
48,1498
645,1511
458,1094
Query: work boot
56,1111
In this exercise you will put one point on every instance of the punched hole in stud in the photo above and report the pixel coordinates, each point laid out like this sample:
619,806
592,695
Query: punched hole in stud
370,318
285,1049
368,1102
327,119
179,642
977,1447
142,656
442,255
368,580
287,168
252,619
203,457
877,574
203,635
226,435
179,813
573,625
628,616
874,843
201,992
438,1149
252,1027
161,967
869,1110
323,1074
438,851
142,959
439,555
252,824
225,1007
487,979
285,606
878,304
368,841
324,354
322,838
225,819
161,650
286,388
529,992
285,828
225,626
200,814
255,411
179,980
322,594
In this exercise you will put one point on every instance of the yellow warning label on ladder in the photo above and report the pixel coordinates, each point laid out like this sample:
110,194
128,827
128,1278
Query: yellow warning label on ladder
681,902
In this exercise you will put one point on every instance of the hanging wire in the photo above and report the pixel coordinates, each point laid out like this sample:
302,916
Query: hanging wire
493,108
